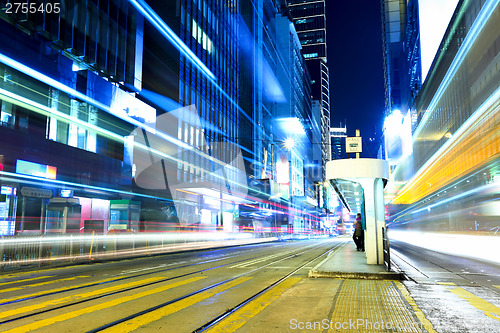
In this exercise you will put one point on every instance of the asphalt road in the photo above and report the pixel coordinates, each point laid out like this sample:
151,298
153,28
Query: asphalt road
456,294
255,288
179,292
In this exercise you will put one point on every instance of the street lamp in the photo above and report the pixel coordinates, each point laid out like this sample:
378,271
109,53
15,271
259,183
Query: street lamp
289,143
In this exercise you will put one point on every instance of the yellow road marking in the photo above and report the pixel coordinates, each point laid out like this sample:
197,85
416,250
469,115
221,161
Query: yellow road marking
446,283
71,298
40,284
242,315
45,292
26,280
497,287
97,307
420,315
489,309
43,271
137,322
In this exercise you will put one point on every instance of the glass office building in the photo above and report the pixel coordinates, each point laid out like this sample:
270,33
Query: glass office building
309,18
123,116
67,105
402,74
451,180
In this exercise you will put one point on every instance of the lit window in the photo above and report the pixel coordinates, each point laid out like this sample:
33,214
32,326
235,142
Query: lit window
195,29
310,55
209,45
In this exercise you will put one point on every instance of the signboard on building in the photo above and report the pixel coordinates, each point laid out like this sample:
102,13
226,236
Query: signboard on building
36,192
6,190
36,169
353,145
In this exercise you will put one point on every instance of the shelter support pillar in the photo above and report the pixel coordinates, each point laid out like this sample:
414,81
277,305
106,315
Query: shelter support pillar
375,219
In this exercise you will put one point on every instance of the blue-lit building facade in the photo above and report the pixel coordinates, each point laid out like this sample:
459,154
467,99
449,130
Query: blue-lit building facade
130,116
402,65
450,182
293,118
200,108
278,100
338,135
309,18
402,74
68,83
259,63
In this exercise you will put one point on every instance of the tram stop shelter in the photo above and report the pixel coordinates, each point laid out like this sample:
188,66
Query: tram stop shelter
360,184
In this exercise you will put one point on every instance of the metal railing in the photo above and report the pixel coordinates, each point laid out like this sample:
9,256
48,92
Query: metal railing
387,252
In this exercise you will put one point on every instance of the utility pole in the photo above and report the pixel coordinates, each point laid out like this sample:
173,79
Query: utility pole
357,135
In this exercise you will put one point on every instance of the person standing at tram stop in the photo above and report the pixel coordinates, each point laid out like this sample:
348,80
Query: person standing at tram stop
359,234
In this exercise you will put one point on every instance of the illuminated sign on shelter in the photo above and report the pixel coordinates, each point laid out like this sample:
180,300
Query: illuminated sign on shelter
353,145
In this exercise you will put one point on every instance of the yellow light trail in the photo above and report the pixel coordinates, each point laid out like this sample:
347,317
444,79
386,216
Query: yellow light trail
479,145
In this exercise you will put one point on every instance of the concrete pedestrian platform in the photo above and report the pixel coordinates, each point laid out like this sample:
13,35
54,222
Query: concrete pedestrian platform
357,297
344,262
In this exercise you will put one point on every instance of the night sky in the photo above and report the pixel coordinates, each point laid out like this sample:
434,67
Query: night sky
354,42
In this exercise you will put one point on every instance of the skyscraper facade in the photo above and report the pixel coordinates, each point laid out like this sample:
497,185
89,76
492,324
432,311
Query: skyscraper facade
338,135
401,46
309,18
278,99
402,73
146,116
69,75
197,94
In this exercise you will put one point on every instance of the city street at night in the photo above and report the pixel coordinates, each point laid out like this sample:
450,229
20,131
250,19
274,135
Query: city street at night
255,288
250,166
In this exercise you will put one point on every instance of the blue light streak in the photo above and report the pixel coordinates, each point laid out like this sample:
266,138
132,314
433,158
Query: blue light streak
26,179
471,37
59,115
165,30
72,92
407,211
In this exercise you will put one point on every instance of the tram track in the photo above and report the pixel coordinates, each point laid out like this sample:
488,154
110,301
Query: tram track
152,283
231,310
118,279
125,278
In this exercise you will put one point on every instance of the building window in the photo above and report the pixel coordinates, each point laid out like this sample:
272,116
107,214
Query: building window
202,38
310,55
